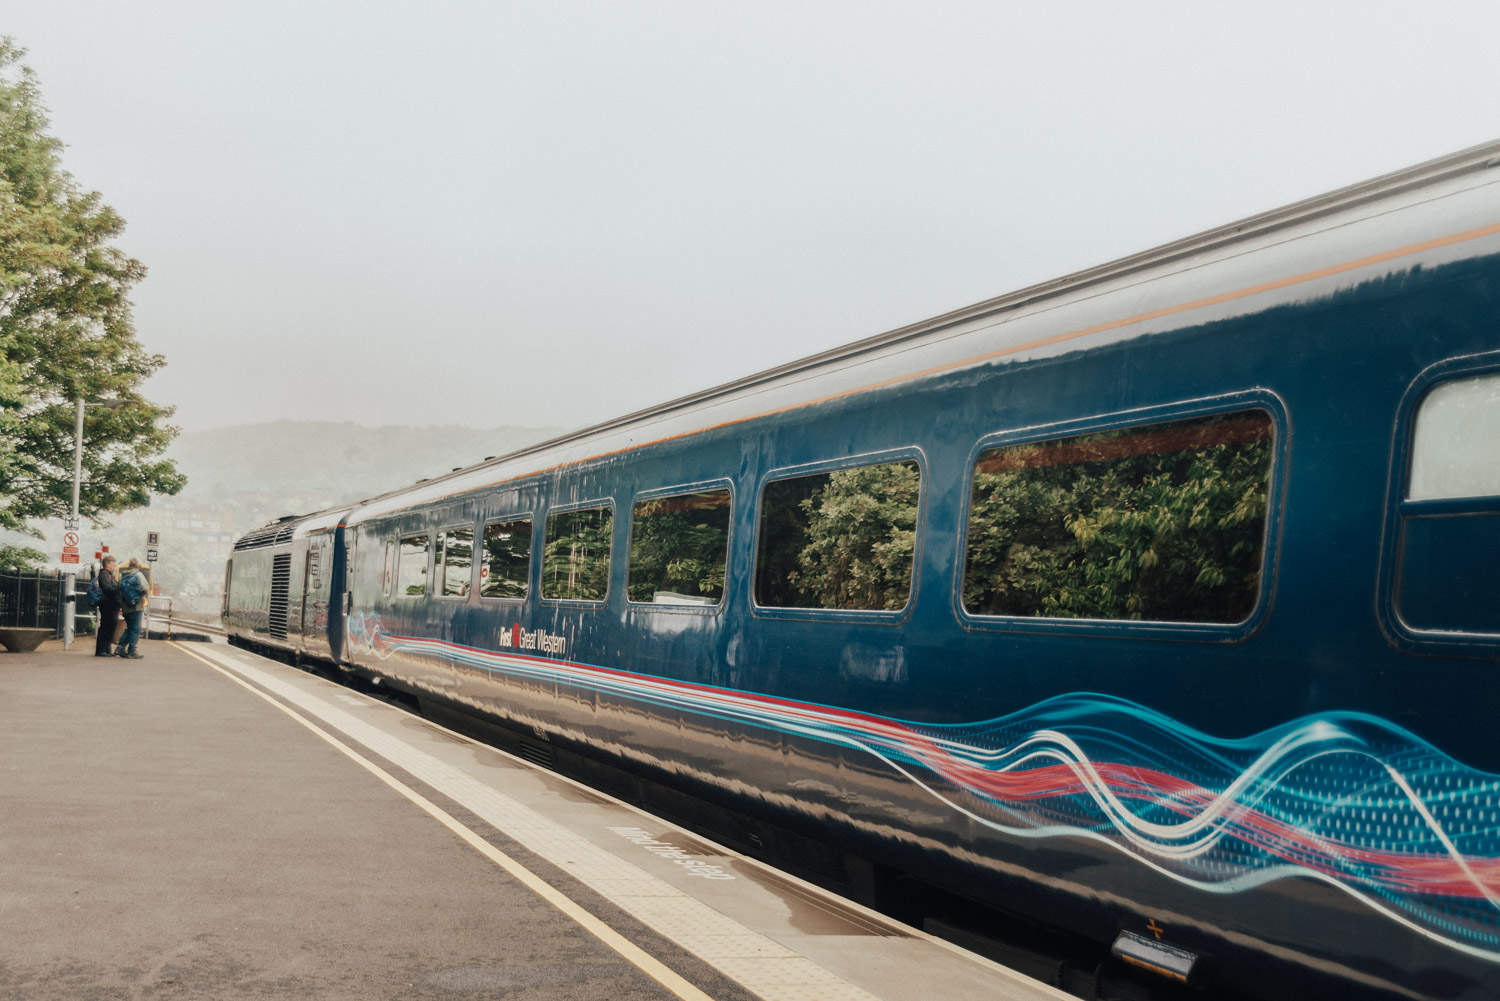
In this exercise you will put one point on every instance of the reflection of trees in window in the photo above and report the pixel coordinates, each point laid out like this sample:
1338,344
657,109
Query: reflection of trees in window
678,549
411,567
455,558
1162,522
507,559
843,539
575,556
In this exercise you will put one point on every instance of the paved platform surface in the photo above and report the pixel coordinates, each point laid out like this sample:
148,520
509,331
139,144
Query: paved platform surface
204,823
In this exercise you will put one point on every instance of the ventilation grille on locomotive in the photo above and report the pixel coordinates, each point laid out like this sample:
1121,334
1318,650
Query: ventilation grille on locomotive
281,583
271,535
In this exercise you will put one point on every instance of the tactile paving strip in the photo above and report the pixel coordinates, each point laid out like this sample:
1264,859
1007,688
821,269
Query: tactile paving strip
762,965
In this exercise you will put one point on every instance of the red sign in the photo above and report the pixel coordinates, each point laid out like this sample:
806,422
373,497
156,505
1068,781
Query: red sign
70,557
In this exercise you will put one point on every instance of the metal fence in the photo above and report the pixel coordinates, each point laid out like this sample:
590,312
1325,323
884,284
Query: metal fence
31,599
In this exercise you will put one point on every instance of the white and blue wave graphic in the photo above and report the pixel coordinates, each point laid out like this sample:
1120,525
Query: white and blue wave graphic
1346,798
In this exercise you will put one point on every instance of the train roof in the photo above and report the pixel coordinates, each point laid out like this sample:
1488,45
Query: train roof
1443,209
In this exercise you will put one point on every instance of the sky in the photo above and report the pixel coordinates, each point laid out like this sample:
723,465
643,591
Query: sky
488,213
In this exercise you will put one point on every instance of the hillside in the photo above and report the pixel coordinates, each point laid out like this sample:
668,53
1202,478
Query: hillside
313,462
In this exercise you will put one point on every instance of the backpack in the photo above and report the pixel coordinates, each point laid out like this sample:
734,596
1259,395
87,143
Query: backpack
131,588
95,593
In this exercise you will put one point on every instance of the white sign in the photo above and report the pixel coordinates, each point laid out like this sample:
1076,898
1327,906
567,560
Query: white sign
70,540
70,524
153,538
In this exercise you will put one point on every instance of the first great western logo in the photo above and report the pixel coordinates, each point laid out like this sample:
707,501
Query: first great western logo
533,640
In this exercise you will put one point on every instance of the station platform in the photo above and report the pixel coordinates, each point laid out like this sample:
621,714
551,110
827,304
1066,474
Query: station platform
205,823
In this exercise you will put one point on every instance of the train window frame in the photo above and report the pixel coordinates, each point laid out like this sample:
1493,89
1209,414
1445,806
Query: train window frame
1205,632
679,490
401,538
388,568
873,616
1399,511
440,536
539,555
532,564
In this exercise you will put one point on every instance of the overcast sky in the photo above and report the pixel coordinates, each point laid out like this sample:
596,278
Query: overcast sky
486,213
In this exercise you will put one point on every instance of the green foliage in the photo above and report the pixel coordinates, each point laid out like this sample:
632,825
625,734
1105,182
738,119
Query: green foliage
679,545
507,554
66,332
861,539
844,539
21,558
1173,536
575,560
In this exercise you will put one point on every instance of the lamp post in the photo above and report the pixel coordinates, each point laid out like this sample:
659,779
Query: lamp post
70,578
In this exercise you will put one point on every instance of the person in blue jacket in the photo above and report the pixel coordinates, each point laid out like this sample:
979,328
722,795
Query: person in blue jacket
134,589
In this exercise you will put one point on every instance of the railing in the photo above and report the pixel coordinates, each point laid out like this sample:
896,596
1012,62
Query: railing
163,615
31,599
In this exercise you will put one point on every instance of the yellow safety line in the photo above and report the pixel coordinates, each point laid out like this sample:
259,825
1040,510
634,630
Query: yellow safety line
628,950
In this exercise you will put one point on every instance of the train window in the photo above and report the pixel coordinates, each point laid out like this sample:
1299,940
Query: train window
842,539
575,556
1163,522
411,566
506,571
1453,452
679,547
314,561
1448,529
454,563
390,567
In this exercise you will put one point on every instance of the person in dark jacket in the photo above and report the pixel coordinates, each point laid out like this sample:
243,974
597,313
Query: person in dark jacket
109,609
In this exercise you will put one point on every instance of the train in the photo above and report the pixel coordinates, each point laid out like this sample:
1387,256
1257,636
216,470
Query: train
1157,605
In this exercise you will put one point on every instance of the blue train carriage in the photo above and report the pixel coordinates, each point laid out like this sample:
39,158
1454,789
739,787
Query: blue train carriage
1156,603
284,586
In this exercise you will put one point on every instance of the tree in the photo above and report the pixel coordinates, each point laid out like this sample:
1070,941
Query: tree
679,546
861,538
575,559
20,557
66,332
1120,531
843,539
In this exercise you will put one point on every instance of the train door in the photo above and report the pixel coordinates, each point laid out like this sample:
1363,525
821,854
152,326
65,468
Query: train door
315,583
309,586
351,549
342,593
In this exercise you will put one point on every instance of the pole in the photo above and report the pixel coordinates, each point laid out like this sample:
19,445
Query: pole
70,596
